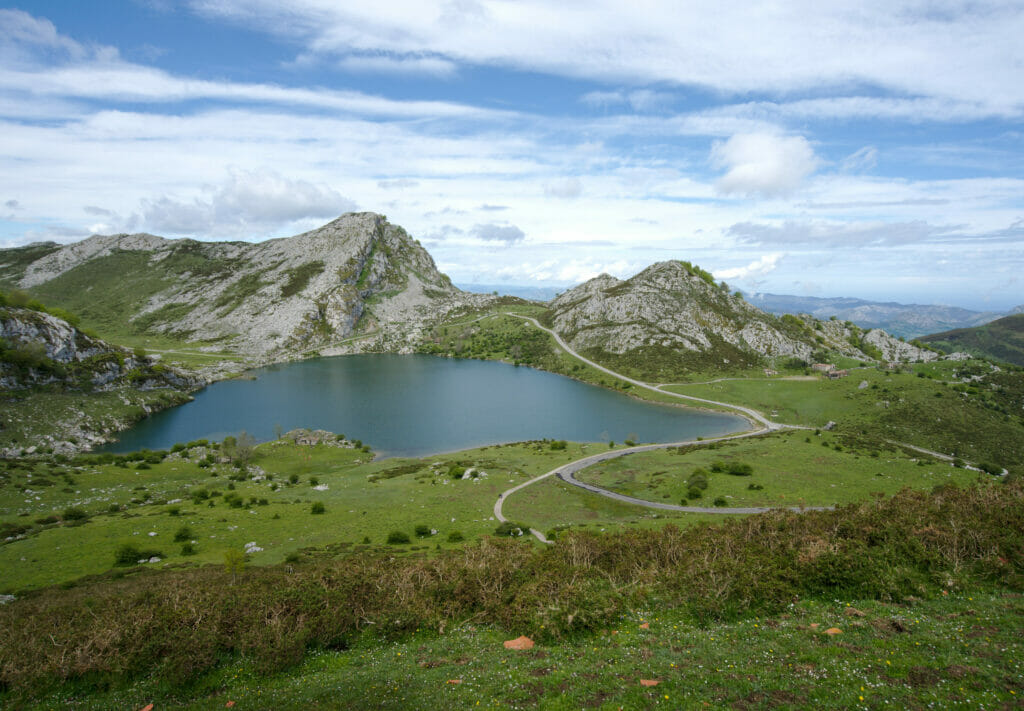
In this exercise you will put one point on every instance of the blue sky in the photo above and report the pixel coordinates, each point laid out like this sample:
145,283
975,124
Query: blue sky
872,149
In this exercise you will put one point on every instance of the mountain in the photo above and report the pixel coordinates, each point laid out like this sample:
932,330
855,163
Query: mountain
905,320
358,273
672,316
1002,339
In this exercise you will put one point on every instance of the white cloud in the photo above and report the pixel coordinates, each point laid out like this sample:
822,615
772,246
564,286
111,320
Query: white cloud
509,234
762,266
567,189
384,64
763,163
248,203
861,160
967,51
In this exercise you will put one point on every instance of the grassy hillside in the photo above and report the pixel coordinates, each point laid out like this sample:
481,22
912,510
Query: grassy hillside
999,340
750,598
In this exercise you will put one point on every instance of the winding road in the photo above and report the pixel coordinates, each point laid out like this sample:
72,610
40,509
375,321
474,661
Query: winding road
566,471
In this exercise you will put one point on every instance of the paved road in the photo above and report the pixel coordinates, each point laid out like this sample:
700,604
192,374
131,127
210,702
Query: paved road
566,471
754,415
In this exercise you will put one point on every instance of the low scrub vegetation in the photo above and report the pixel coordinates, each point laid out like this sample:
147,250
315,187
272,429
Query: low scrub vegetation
180,624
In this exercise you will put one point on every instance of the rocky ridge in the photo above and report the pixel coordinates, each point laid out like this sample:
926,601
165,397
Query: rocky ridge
37,348
674,305
358,274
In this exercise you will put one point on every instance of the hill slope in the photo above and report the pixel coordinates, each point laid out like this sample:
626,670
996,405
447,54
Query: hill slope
357,273
673,317
1001,340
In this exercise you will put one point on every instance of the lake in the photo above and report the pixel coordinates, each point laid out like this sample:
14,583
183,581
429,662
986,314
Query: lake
419,405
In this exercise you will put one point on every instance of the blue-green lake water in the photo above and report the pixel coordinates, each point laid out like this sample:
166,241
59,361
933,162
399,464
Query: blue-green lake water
420,405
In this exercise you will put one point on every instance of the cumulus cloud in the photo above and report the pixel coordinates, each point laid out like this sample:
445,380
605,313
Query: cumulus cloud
764,265
764,164
509,234
248,201
567,189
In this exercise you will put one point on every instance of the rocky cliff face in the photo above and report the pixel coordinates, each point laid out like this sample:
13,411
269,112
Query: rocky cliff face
357,274
673,306
37,348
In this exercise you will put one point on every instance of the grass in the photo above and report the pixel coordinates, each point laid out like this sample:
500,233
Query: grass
732,612
44,414
928,407
956,650
363,500
793,471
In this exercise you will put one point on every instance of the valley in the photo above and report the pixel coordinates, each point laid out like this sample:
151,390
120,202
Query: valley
812,434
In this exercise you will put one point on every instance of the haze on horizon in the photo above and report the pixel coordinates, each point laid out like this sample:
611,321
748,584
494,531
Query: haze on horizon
807,148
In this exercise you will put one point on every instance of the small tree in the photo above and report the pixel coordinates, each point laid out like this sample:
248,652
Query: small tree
234,562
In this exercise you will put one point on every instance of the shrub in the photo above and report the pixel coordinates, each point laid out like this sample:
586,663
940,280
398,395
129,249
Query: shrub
313,481
739,469
174,510
293,479
422,530
74,513
720,501
558,444
455,537
188,549
718,466
317,508
129,554
397,537
511,528
182,534
693,493
698,479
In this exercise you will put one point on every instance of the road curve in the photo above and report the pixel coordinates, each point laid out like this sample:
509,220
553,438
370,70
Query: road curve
566,471
751,414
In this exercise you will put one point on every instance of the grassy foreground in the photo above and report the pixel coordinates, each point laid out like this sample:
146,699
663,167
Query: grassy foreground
955,651
182,635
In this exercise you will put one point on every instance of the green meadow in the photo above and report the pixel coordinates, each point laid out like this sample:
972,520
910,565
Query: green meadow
797,468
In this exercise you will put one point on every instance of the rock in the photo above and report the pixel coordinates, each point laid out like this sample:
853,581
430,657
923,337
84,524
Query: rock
519,643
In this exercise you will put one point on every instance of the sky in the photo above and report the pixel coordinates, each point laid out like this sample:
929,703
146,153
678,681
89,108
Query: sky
872,149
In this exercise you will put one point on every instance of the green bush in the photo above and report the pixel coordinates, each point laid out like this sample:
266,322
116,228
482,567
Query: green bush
317,508
739,469
182,534
188,549
422,530
130,554
693,493
455,537
511,528
721,501
398,537
74,513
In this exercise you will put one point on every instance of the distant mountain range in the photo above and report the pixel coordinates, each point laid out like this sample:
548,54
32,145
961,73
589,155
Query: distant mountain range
360,283
1002,339
531,293
905,320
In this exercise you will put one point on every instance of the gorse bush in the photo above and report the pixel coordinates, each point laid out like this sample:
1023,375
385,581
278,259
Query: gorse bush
179,624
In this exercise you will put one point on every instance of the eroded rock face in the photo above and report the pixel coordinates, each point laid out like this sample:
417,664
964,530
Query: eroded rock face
673,305
41,349
293,295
